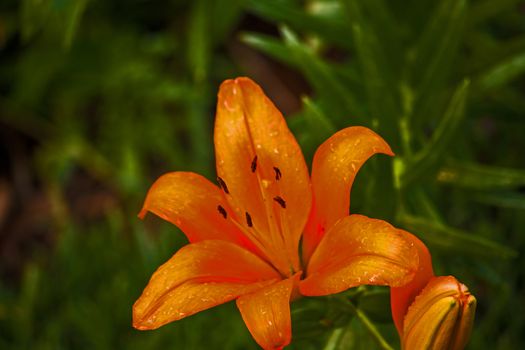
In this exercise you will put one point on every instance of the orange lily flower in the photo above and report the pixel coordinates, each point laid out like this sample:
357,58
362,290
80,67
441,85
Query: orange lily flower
432,312
244,234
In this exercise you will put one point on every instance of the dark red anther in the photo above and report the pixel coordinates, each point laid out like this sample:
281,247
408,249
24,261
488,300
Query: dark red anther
249,220
222,211
278,174
281,201
222,185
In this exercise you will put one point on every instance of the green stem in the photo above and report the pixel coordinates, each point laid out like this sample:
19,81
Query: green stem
370,326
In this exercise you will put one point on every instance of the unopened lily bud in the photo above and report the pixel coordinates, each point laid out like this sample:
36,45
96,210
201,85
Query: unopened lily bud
441,316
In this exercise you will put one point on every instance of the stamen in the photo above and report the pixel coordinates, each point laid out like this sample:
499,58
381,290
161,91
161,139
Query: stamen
249,220
254,164
278,174
281,201
222,185
222,211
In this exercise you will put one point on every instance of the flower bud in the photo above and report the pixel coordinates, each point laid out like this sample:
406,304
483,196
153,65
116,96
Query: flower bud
441,316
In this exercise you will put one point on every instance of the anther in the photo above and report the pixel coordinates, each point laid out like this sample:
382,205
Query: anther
254,164
278,174
222,211
249,220
281,201
222,185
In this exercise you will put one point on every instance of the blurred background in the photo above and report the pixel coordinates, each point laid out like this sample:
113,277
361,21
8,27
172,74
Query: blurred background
98,98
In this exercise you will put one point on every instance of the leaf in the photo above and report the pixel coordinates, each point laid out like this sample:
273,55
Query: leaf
76,10
33,14
319,74
199,49
432,60
317,120
503,73
438,44
489,52
376,304
336,338
380,100
477,176
453,240
59,19
423,205
226,14
511,200
370,327
312,318
428,158
483,10
271,46
374,65
383,22
330,27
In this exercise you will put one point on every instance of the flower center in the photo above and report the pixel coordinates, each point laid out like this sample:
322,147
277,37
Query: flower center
272,240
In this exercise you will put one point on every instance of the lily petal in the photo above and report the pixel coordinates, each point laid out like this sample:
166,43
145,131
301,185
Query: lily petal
262,165
191,202
402,297
197,277
267,314
356,251
335,165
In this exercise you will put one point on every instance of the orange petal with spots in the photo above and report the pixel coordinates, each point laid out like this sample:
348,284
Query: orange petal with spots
260,161
191,202
402,297
267,314
356,251
335,165
441,316
197,277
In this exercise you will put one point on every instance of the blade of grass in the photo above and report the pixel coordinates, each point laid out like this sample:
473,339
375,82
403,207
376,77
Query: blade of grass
483,10
335,339
378,81
511,200
502,73
282,52
225,16
376,304
489,52
433,60
199,41
72,21
316,118
320,75
455,240
271,46
332,29
428,158
483,177
438,45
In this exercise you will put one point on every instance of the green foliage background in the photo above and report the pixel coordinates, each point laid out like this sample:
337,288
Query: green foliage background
108,95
